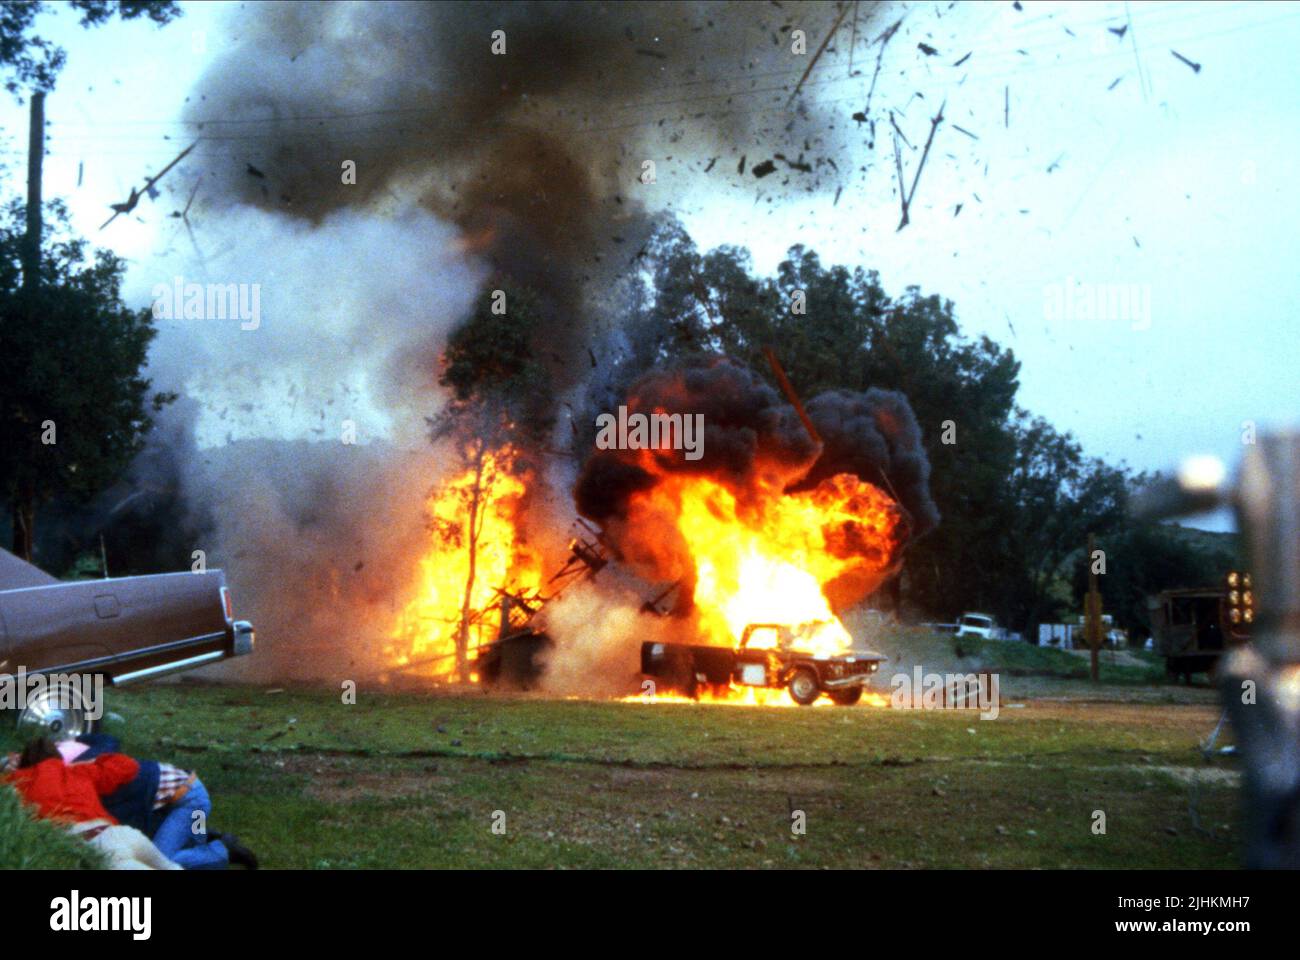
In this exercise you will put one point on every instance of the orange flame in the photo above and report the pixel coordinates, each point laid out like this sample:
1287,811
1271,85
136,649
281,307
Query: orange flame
424,638
764,557
775,557
747,697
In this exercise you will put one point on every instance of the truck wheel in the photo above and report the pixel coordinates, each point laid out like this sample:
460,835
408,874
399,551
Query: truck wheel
848,697
804,688
57,713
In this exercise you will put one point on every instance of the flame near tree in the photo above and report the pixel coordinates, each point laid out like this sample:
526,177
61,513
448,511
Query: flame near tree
476,549
498,409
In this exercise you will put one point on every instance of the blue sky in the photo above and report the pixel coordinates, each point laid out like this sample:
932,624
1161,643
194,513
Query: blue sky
1174,184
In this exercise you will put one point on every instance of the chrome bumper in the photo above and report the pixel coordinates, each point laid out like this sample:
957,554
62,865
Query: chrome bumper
857,680
245,639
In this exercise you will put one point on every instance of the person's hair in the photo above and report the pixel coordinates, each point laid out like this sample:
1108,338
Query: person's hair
42,748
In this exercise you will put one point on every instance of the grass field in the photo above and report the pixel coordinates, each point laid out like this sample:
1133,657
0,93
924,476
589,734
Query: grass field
409,780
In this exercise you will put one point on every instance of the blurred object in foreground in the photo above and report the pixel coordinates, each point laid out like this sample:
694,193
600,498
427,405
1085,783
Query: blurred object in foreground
1261,681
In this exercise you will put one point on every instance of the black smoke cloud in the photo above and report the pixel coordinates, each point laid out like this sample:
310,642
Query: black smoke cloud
875,436
754,440
751,436
468,167
537,153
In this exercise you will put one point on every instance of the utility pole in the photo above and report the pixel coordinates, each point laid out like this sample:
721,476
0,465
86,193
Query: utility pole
24,513
35,161
1092,611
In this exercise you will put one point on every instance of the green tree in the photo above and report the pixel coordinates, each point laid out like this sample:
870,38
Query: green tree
852,335
1058,497
29,61
499,411
74,406
1144,558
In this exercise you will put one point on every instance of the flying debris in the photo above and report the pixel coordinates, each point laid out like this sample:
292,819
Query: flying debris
1119,31
254,172
883,40
899,130
1115,83
963,59
928,50
801,164
129,204
906,198
184,217
1196,67
820,50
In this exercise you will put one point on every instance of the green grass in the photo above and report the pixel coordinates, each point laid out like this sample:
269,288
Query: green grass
415,780
30,844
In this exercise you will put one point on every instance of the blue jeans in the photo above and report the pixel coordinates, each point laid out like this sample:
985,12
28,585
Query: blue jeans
180,841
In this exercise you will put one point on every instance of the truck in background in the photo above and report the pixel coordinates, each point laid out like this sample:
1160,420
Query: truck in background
1193,628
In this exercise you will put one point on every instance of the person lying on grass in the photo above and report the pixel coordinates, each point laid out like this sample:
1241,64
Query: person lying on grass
70,794
169,804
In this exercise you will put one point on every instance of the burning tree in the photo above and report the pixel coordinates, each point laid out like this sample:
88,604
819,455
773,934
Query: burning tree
497,414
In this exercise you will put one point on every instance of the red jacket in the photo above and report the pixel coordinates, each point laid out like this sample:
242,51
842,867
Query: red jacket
62,791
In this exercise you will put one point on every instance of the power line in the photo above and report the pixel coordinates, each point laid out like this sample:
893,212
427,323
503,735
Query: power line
789,74
827,83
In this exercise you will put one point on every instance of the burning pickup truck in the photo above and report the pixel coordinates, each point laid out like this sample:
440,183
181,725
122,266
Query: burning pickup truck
770,655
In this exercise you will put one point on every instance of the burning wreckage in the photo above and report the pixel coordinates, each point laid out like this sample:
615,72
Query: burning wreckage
747,554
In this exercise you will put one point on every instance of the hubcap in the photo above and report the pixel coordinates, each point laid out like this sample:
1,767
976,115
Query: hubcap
803,686
54,713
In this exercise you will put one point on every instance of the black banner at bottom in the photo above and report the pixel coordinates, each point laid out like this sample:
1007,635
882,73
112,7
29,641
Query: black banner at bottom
333,909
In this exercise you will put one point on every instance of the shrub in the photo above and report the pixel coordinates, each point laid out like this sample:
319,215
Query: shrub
27,843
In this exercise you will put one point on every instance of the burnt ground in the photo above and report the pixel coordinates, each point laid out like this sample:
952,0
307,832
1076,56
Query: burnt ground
406,780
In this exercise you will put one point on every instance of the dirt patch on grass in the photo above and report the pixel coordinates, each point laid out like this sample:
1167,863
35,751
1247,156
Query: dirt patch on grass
344,780
1215,775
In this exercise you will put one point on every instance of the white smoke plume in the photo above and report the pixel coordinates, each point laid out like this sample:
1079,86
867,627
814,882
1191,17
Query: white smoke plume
316,533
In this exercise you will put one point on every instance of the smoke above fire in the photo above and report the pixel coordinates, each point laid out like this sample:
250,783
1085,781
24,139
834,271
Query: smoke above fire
529,126
377,168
